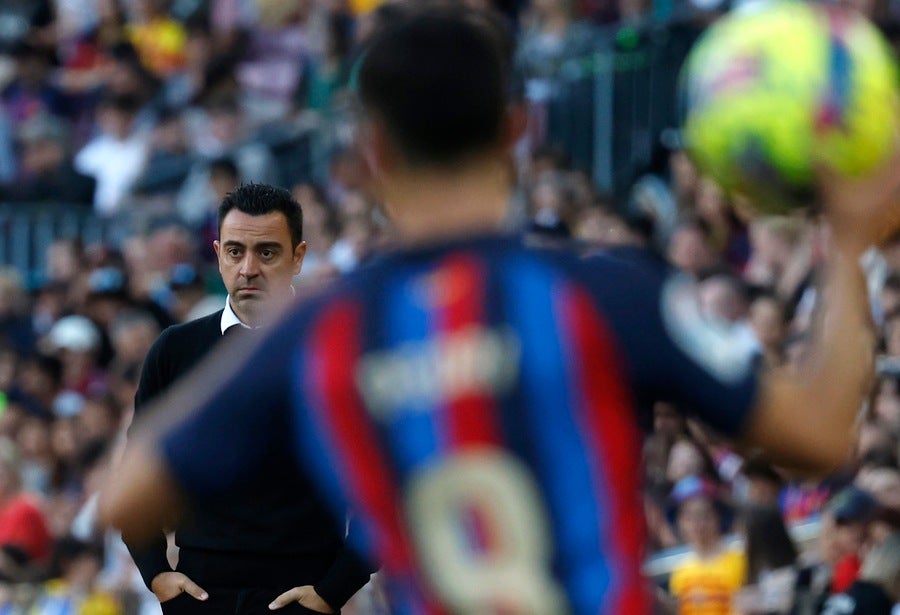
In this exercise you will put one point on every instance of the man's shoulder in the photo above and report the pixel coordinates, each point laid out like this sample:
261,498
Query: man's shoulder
205,328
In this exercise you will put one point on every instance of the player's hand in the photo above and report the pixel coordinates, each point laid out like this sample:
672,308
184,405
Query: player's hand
306,596
863,211
168,585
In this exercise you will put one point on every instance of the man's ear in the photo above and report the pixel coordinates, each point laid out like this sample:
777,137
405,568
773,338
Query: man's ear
299,253
379,152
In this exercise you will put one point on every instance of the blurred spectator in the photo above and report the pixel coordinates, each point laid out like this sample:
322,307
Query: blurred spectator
219,130
771,557
883,482
549,204
188,289
878,588
274,49
158,38
169,159
39,383
685,178
185,85
726,232
690,248
15,328
132,332
662,534
852,510
24,537
222,176
325,78
651,198
875,437
125,76
802,500
107,296
74,587
687,458
669,425
31,92
320,220
769,325
346,174
77,342
707,580
47,173
781,255
551,37
36,452
63,261
25,19
763,483
723,299
116,156
358,231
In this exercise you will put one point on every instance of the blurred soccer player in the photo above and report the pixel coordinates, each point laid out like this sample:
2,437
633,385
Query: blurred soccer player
473,400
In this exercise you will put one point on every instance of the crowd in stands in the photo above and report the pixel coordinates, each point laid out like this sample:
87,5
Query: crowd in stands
152,110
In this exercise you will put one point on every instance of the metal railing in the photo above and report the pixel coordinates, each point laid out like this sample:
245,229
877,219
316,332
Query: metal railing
28,230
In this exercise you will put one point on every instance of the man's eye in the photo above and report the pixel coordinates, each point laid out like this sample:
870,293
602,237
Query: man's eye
267,254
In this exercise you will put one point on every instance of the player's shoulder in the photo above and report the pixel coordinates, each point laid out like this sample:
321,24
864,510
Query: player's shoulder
623,273
508,253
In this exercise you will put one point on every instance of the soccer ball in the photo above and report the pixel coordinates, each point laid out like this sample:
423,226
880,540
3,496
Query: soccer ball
773,92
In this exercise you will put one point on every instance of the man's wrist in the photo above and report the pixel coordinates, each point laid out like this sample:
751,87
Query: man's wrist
333,602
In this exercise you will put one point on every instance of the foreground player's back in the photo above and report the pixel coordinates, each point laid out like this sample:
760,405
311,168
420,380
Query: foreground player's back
474,403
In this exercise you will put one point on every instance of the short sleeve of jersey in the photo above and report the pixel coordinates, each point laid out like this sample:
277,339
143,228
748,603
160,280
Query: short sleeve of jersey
236,411
674,353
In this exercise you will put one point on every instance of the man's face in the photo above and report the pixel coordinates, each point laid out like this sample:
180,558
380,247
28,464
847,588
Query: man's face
256,261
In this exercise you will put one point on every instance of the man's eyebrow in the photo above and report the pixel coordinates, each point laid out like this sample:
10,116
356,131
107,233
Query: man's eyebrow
268,245
232,243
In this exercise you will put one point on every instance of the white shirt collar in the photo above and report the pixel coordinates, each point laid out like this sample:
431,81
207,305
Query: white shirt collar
229,318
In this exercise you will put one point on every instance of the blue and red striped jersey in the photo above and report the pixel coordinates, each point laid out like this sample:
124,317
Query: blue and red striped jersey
474,405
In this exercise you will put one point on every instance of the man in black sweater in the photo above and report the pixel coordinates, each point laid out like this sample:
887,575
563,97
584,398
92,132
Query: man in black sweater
278,544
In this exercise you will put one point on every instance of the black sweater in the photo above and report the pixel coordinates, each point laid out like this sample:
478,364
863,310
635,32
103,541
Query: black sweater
278,516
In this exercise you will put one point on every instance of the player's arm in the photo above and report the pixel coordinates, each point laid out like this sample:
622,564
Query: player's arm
807,420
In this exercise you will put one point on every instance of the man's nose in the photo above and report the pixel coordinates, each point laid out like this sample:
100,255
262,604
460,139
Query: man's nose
249,266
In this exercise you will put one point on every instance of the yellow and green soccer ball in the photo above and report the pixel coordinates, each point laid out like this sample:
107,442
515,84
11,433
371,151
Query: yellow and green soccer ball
773,92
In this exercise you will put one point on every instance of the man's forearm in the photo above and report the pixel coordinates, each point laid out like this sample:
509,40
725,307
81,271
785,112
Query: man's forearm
842,353
805,421
150,559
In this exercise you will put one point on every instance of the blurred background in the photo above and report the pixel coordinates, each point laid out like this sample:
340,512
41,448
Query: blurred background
124,122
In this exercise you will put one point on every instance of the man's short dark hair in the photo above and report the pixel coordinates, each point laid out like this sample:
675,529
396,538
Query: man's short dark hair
438,76
261,199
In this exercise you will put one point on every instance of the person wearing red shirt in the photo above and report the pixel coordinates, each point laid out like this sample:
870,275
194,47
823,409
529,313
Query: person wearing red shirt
24,536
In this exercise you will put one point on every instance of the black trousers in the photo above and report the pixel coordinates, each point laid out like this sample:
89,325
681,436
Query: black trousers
239,584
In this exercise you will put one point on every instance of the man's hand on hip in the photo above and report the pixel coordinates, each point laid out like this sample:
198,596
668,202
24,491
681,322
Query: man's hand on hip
306,596
168,585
